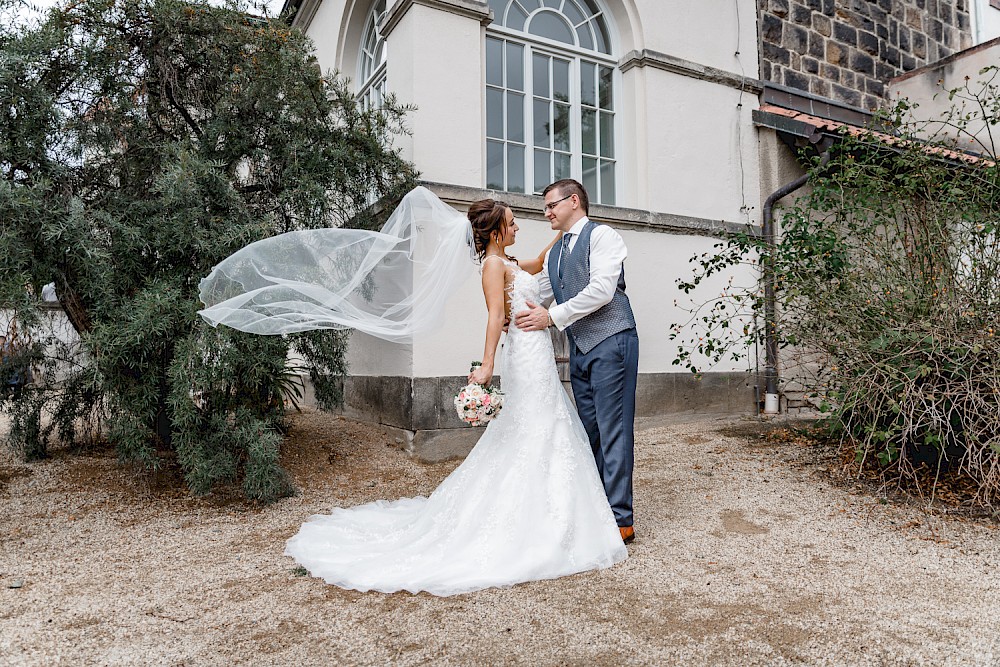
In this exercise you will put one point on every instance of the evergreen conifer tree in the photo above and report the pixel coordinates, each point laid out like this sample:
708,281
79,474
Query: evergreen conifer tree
142,141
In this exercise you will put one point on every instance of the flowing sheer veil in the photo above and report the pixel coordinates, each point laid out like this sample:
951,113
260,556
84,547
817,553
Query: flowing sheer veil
390,284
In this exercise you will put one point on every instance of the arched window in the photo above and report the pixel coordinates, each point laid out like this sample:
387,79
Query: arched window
371,61
550,98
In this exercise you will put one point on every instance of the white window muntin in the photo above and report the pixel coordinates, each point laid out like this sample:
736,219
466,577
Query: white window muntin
590,12
562,47
505,148
372,60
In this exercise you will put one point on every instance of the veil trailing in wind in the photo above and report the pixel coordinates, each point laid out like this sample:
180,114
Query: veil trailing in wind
390,284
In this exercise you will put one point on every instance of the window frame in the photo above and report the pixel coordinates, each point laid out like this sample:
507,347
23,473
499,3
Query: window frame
532,44
372,89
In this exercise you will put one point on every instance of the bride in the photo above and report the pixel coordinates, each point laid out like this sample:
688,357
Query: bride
526,504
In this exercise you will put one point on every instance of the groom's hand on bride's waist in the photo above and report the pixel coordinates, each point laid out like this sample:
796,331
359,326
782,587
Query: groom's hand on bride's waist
536,318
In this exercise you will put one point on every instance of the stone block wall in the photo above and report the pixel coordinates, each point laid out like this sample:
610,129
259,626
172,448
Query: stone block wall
847,50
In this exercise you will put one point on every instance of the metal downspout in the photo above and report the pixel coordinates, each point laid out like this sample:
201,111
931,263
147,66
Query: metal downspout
771,403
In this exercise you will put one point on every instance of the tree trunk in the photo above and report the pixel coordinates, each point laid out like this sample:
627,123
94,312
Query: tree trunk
73,305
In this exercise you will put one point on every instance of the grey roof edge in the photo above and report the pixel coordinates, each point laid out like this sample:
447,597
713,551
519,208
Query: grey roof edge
814,105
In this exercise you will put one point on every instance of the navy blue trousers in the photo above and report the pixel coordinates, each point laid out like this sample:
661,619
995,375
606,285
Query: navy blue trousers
604,389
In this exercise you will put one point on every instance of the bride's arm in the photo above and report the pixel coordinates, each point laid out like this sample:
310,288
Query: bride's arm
493,284
535,265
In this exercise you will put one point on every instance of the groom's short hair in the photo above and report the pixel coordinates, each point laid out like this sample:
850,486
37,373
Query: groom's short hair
567,187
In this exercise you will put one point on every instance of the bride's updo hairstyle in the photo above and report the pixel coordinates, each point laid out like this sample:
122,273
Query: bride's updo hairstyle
487,217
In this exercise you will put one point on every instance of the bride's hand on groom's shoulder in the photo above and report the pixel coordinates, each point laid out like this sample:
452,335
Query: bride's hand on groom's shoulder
536,318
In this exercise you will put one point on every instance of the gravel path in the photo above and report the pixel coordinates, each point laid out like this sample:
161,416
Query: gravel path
747,554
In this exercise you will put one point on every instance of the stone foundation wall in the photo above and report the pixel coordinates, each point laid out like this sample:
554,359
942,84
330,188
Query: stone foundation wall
418,412
847,50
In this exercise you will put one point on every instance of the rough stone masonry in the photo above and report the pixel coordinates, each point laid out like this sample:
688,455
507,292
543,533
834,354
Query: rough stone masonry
847,50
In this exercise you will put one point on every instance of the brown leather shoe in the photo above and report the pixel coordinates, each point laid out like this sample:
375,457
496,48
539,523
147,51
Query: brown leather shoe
628,533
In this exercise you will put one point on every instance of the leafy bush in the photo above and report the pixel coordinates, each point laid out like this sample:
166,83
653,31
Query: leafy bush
888,272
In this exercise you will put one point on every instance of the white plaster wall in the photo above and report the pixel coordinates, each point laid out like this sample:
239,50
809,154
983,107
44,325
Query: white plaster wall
985,21
436,63
55,329
708,32
655,262
461,337
929,88
701,149
367,355
325,32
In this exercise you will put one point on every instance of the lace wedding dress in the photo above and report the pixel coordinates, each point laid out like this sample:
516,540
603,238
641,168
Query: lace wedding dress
526,504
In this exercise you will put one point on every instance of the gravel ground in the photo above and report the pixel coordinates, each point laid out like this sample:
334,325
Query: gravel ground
748,553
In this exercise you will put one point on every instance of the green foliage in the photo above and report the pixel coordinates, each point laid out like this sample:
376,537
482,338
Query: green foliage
143,141
888,272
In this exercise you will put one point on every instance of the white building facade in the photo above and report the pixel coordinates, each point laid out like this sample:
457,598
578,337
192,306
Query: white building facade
647,102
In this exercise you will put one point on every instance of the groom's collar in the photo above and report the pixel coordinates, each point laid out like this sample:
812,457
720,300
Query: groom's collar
577,228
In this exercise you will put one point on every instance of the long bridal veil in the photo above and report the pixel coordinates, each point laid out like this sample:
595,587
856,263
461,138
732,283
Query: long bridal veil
391,283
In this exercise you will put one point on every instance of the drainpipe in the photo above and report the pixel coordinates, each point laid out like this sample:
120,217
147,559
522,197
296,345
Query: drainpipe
771,403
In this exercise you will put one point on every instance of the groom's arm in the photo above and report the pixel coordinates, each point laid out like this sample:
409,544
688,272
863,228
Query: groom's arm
607,253
544,285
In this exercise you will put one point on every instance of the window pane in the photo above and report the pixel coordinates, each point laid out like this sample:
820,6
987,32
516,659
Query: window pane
561,127
542,125
515,66
540,75
515,117
551,26
515,168
530,5
542,175
498,6
588,129
602,38
590,174
516,18
494,165
562,166
588,84
552,3
560,80
606,97
494,62
607,134
607,182
572,12
586,41
494,113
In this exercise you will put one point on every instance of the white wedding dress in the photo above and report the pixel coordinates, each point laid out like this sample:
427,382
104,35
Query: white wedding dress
526,504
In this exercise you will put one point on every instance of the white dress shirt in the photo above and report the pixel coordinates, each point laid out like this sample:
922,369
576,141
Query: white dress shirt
607,252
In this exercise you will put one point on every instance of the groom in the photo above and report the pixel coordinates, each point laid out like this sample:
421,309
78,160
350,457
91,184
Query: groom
585,275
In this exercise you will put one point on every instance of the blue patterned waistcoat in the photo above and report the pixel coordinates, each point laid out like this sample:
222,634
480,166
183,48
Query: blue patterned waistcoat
607,320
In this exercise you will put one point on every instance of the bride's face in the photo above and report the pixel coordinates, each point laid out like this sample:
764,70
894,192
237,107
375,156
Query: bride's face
508,232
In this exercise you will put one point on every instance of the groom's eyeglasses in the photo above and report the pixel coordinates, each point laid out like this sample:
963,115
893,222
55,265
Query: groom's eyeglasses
551,205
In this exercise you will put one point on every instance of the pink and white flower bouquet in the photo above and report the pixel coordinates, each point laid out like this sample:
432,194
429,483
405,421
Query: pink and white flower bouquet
476,405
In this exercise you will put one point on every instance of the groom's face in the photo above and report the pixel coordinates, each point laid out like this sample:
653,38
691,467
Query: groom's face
562,211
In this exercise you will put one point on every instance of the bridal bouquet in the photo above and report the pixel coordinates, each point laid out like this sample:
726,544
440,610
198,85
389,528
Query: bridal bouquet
475,404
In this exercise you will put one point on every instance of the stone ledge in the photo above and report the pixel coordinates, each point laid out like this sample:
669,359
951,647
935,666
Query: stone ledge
615,216
669,63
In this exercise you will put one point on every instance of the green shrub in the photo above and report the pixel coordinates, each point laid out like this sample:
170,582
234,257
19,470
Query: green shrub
888,271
